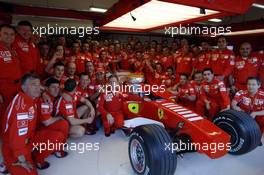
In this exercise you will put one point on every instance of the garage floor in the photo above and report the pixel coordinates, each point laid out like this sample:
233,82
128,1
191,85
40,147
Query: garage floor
112,159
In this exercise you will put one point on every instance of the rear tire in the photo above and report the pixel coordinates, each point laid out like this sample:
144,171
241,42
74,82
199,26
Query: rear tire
243,129
147,151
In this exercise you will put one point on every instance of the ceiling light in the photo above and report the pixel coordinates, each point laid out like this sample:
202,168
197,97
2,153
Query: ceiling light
97,9
258,5
157,13
215,20
245,32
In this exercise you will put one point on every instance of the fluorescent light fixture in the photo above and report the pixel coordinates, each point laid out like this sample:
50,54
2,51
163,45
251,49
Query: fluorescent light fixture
157,13
245,32
215,20
97,9
258,5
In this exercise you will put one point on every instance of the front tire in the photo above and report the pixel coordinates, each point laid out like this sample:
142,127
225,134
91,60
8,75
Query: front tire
147,151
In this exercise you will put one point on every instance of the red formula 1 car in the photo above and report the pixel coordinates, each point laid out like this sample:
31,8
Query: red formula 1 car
166,128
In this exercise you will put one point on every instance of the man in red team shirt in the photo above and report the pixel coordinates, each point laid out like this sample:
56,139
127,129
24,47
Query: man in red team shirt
46,118
19,134
159,76
213,97
261,70
71,72
26,50
9,66
203,59
102,62
196,83
246,65
89,69
78,118
251,101
79,58
184,62
185,93
110,106
222,60
166,58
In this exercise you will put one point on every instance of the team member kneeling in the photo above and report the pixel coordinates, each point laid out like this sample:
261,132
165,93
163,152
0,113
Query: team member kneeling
80,117
110,105
46,112
251,101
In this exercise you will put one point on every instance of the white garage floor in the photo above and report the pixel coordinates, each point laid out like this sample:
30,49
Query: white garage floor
112,159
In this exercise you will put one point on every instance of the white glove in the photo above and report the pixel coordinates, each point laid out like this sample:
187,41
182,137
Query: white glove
110,118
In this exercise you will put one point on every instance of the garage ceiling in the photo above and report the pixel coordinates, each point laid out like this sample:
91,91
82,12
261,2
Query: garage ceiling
83,5
64,4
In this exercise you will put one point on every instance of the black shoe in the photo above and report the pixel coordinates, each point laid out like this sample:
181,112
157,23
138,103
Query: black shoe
260,144
60,154
113,131
43,166
107,135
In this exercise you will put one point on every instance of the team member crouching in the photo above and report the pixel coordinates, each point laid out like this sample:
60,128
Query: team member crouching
46,112
185,93
110,105
251,101
78,118
213,95
19,131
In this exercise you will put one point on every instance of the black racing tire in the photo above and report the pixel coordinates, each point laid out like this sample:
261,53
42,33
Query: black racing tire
148,153
243,129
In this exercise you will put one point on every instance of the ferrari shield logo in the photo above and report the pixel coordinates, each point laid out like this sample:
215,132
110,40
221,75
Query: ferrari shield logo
160,113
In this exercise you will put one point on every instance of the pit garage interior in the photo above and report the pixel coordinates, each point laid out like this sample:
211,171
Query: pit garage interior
119,20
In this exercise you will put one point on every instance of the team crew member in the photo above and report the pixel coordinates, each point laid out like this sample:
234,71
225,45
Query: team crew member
110,106
159,76
9,66
166,59
77,117
222,60
26,50
78,58
89,69
246,65
184,63
58,74
71,72
19,133
185,93
196,83
251,101
46,112
203,59
261,70
213,97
